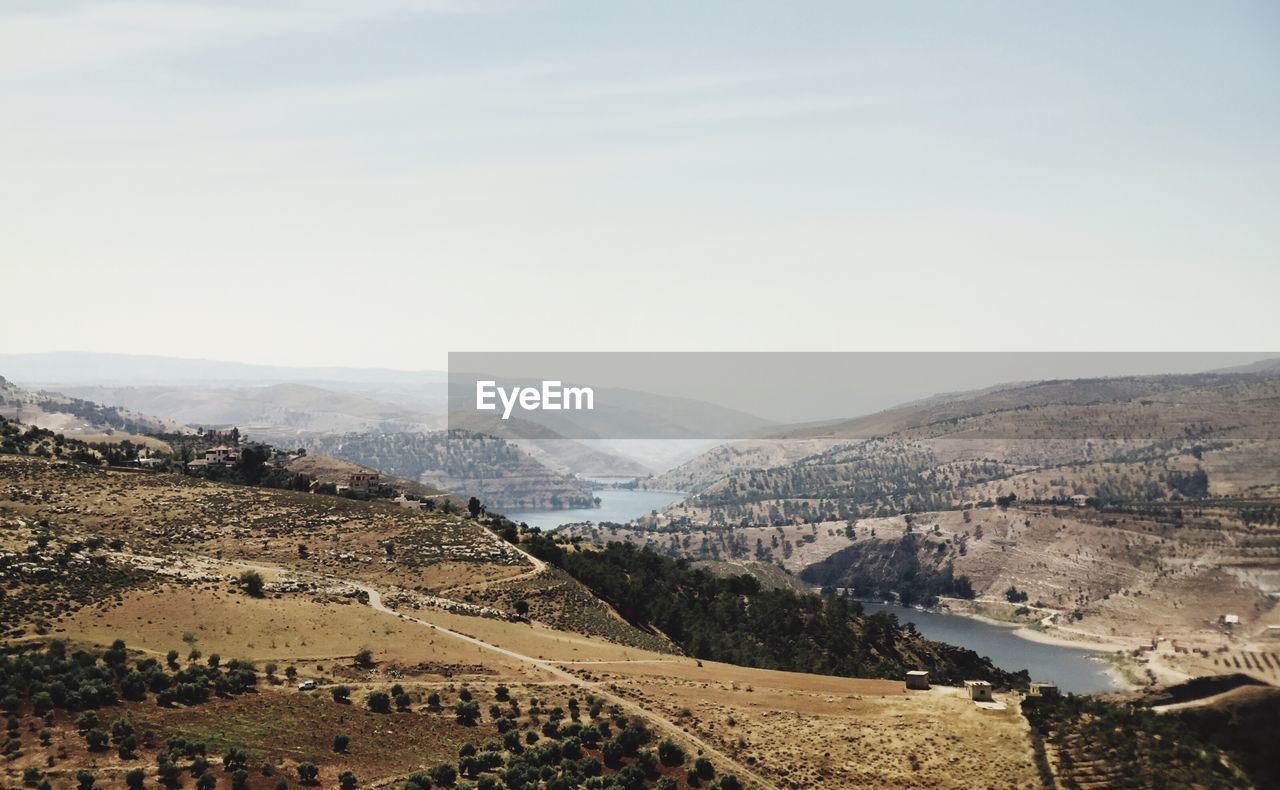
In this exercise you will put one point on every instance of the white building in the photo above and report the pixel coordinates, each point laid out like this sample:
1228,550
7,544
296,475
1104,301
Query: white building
221,454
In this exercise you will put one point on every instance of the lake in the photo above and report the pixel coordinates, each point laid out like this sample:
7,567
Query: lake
1073,669
616,504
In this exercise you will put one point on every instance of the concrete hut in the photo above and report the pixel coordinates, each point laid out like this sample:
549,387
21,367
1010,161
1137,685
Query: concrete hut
918,679
979,690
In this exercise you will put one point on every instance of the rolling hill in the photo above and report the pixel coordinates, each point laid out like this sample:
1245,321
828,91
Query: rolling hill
191,610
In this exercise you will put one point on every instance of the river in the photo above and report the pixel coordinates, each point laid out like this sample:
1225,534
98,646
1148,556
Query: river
617,505
1073,669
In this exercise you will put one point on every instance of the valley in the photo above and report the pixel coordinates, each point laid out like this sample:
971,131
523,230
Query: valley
1085,512
347,612
651,639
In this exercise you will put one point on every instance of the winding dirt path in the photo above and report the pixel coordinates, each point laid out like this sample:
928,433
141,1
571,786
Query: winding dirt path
552,668
742,771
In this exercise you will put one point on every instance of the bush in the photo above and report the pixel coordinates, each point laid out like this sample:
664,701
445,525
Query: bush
96,740
364,658
341,694
646,762
379,702
240,780
340,742
467,712
307,773
134,686
127,747
135,779
234,759
704,768
670,754
170,774
205,781
347,780
730,782
571,749
1014,595
84,780
444,775
612,752
418,780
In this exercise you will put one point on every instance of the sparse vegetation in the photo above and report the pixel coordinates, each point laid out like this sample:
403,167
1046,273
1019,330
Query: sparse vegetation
733,620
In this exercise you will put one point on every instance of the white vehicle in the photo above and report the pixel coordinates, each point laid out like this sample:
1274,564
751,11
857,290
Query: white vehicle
307,685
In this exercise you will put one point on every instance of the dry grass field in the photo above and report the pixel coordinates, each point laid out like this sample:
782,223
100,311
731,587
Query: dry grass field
815,731
319,634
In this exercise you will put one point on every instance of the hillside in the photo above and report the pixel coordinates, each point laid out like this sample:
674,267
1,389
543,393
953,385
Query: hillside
293,414
466,464
1039,425
278,413
327,469
77,417
1123,509
193,608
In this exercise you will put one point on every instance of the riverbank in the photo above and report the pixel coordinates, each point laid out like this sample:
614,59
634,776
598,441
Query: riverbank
1074,667
616,505
1120,668
1050,635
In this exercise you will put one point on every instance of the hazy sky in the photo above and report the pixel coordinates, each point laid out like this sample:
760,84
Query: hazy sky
377,182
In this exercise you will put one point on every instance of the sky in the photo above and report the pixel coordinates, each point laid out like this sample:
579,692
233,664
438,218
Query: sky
378,183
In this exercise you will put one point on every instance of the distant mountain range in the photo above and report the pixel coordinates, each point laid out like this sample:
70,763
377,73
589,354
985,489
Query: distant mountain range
94,368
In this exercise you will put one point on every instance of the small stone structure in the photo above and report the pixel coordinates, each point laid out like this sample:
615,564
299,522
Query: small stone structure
1042,690
979,690
918,679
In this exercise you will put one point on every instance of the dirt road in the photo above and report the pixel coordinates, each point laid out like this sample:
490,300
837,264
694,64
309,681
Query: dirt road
673,730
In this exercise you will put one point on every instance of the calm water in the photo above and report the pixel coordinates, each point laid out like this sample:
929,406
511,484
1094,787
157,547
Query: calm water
1073,669
616,505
